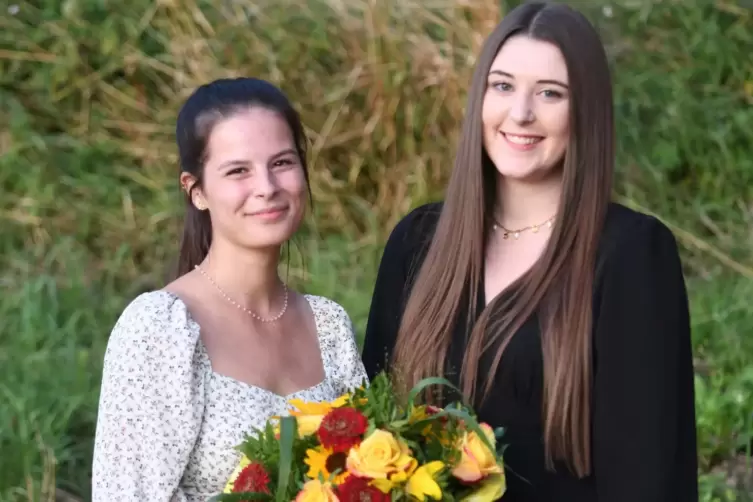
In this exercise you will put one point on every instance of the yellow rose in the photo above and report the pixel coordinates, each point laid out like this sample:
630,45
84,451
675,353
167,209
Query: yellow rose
476,460
422,483
316,491
380,457
490,489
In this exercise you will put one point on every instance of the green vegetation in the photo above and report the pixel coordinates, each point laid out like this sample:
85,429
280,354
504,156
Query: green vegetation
90,211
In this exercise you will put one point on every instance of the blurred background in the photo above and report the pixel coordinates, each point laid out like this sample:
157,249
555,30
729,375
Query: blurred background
90,209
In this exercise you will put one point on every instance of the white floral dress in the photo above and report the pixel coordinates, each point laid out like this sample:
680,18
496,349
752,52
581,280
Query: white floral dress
168,425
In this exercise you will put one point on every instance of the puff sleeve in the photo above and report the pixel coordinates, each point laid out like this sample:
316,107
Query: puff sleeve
348,369
151,403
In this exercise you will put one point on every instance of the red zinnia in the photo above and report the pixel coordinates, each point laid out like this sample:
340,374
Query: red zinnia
341,429
356,489
253,478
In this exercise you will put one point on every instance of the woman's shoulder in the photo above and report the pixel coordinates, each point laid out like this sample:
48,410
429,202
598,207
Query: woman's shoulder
155,318
629,227
337,337
410,238
633,236
418,224
328,313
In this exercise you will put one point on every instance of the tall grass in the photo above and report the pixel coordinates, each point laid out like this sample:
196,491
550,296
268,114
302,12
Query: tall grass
90,211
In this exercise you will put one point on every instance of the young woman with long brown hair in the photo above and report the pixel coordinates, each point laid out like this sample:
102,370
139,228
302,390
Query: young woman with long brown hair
560,314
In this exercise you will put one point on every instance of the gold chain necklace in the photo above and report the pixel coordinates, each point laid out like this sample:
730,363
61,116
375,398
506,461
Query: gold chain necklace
516,233
252,314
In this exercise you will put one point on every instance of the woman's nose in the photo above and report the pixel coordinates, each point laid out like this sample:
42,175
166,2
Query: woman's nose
263,183
522,110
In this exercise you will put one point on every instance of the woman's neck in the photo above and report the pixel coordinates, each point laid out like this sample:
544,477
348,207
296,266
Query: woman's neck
248,277
522,204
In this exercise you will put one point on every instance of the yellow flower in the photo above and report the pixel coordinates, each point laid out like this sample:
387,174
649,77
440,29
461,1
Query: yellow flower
490,489
418,413
316,491
308,424
309,415
323,461
431,431
422,483
315,407
476,460
241,465
383,458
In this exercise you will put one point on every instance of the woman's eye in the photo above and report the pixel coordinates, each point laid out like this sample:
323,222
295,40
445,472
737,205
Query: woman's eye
549,93
502,86
237,170
283,162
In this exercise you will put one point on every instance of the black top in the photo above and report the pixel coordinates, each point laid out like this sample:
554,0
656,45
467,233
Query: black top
643,415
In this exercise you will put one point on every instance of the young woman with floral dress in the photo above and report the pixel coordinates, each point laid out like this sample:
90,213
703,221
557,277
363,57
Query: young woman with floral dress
193,367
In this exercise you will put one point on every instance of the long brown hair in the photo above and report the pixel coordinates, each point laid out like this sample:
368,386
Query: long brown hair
559,286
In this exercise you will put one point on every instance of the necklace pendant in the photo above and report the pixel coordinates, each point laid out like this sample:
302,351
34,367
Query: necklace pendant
517,234
549,224
536,229
505,235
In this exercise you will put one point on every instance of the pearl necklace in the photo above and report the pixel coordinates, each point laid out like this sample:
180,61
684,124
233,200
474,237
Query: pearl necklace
241,307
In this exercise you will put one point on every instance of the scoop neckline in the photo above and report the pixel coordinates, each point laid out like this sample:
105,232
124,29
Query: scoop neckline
246,385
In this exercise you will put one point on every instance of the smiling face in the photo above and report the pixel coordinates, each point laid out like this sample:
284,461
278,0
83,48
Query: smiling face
254,184
526,110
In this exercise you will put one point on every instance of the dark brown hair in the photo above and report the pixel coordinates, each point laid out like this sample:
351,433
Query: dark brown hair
206,106
557,288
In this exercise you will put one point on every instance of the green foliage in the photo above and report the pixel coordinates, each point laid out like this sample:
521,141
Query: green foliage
90,208
265,448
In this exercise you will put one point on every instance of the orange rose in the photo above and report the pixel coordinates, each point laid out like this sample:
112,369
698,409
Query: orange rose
476,460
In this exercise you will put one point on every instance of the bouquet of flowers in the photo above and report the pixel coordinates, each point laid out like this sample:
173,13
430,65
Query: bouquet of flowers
367,446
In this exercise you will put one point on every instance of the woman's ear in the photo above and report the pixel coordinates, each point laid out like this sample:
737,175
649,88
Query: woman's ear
188,183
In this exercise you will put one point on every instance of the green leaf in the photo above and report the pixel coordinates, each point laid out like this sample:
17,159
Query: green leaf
288,432
427,382
239,497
